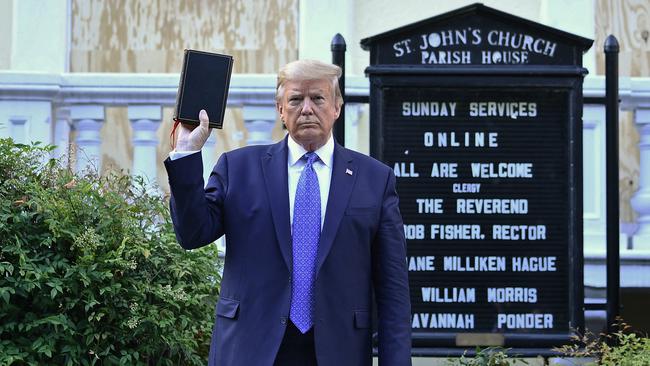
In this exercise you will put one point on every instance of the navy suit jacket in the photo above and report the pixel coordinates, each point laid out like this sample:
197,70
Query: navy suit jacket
361,250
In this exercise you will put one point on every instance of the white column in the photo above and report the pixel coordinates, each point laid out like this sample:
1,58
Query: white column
352,115
27,121
641,199
145,120
18,129
561,14
593,172
87,120
209,156
61,135
259,120
319,21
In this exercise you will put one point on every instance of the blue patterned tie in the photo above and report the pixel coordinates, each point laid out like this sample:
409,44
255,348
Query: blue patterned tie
306,233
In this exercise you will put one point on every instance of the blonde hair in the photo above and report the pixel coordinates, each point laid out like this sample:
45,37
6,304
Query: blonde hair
302,70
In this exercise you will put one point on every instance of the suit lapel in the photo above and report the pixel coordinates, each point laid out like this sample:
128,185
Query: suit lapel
274,168
343,177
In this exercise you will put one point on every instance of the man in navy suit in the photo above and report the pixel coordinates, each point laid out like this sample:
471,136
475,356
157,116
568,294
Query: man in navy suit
313,235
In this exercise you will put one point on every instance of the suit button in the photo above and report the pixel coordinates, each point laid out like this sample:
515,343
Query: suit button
283,320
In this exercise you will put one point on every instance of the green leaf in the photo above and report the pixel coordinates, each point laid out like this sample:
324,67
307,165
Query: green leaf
6,292
38,342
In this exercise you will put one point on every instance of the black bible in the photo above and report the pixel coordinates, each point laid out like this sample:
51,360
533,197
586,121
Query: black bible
204,83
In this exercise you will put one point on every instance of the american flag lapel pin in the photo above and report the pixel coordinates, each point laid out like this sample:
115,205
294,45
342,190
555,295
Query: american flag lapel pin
348,171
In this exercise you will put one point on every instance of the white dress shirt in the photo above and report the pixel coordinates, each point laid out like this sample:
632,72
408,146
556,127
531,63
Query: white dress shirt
322,167
173,155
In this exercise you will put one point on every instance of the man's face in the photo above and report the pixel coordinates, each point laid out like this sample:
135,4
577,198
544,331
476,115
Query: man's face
309,110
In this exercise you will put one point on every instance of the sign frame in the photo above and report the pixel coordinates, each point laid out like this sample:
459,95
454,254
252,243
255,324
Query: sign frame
569,84
565,75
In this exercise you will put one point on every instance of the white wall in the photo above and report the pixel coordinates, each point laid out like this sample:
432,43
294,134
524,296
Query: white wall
358,19
41,29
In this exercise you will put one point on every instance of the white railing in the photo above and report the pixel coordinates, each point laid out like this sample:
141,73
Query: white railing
635,237
46,107
79,101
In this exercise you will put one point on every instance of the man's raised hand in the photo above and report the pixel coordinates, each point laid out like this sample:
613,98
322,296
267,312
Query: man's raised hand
192,138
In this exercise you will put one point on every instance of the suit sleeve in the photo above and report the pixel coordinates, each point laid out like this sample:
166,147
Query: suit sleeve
390,277
197,213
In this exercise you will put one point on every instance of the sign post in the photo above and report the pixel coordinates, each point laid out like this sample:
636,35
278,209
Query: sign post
479,113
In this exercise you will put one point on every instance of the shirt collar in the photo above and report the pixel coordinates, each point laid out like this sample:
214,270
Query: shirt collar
325,153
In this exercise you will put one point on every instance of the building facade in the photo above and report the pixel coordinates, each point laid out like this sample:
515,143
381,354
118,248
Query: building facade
98,79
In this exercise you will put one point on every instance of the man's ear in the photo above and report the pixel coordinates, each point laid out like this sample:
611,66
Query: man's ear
278,107
338,110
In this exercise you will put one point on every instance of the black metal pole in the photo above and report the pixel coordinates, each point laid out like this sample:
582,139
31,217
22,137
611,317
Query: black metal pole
338,58
611,145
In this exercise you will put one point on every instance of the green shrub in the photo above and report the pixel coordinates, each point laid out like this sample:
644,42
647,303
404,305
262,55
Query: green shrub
622,348
490,356
91,273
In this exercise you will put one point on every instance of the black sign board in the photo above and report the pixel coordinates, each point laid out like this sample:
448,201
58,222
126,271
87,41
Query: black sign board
479,113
